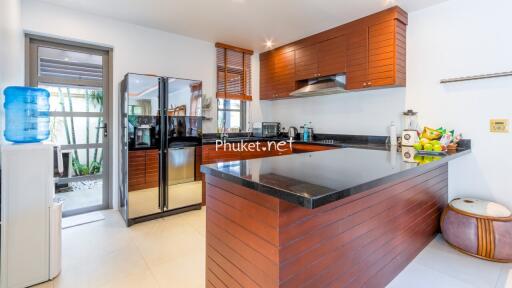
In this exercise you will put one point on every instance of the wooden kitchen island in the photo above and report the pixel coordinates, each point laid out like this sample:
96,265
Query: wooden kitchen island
338,218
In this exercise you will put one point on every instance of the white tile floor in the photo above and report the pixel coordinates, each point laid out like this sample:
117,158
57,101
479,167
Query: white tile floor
170,252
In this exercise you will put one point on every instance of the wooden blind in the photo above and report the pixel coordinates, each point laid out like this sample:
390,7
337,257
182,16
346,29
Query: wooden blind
233,72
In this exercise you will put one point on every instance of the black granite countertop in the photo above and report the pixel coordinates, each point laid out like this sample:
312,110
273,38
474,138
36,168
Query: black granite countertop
315,179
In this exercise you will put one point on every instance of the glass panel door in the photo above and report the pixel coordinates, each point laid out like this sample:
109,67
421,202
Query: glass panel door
77,79
184,187
142,108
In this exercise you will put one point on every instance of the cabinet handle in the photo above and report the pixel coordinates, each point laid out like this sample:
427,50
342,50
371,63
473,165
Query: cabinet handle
369,84
364,84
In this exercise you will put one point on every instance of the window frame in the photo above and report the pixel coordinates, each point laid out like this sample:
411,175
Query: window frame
242,110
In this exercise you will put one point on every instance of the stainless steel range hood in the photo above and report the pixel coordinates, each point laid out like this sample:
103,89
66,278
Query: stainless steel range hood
322,86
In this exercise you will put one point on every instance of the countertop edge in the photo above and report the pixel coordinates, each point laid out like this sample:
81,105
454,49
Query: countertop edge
312,203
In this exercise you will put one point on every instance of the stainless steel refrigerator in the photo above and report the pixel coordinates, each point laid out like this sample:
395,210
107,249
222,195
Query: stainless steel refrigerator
160,135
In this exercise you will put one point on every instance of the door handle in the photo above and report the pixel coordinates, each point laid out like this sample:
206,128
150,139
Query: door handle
105,129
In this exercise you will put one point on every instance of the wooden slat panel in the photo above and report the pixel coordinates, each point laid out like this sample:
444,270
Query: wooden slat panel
317,235
266,75
250,239
215,269
266,201
265,232
240,238
306,62
357,58
214,280
381,228
262,263
332,56
417,236
284,81
253,210
248,267
360,250
370,236
230,268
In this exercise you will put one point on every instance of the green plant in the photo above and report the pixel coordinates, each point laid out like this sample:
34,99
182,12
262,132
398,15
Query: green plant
83,170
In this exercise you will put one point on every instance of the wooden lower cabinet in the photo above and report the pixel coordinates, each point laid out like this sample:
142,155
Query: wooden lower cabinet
212,155
365,240
303,148
143,169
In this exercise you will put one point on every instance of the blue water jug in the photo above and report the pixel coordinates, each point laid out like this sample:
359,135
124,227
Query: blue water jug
27,112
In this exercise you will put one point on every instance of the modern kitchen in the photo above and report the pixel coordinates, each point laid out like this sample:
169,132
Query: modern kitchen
241,143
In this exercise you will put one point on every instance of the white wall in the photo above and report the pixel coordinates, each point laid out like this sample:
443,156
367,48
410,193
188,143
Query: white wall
136,49
359,113
462,38
11,50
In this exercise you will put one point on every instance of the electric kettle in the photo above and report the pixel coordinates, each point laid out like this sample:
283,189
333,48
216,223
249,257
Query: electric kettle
292,132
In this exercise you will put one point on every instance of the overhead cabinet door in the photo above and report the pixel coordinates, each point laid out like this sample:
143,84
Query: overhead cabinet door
332,56
306,63
357,58
284,74
381,67
266,76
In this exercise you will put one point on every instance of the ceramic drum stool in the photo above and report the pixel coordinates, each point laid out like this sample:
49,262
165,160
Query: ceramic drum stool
479,228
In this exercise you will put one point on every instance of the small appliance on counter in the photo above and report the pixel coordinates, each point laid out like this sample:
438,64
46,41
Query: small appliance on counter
410,129
266,129
292,132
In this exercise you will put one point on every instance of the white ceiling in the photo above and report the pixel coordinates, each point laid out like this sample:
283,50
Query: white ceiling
244,23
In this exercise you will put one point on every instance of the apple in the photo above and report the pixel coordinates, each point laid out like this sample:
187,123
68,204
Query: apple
417,146
427,147
437,148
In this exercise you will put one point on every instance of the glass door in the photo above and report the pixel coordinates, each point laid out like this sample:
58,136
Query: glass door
184,185
141,115
77,79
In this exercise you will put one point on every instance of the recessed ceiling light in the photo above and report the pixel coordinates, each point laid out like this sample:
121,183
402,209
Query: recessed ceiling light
238,1
269,44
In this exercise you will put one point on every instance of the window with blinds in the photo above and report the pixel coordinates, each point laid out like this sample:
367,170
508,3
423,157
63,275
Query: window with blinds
233,72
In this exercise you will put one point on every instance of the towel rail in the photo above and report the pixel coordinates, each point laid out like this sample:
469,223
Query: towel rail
476,77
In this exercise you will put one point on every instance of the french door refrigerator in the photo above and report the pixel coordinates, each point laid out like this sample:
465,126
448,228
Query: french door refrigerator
160,140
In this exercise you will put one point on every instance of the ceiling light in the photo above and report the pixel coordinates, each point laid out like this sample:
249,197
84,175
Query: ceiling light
269,43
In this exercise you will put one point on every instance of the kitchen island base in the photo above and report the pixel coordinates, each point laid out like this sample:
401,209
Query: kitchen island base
365,240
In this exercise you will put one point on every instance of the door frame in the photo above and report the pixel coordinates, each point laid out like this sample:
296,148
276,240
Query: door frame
31,78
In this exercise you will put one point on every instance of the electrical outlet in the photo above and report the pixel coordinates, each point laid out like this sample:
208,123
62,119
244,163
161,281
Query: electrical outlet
499,125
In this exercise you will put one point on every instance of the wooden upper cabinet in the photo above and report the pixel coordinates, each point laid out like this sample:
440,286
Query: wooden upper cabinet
357,58
322,59
266,77
332,56
381,58
284,74
377,59
306,62
370,50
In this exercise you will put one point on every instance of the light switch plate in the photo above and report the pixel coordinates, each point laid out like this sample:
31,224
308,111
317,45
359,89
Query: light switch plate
499,125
